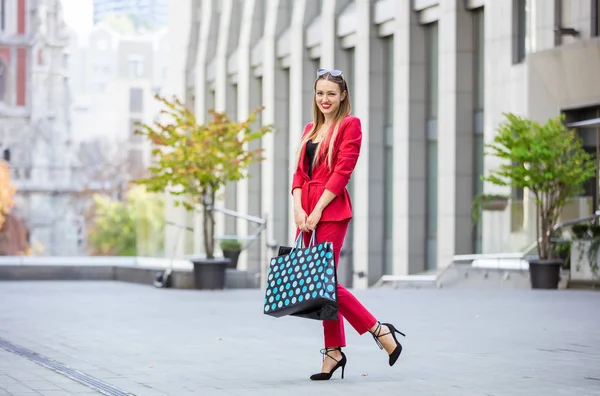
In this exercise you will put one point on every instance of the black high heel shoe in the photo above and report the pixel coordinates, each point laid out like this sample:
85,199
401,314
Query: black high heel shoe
398,350
340,363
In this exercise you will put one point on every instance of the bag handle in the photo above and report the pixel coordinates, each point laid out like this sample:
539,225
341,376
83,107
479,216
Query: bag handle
297,243
300,241
313,239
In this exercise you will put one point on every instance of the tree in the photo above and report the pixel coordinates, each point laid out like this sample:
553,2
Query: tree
548,160
128,228
194,161
7,191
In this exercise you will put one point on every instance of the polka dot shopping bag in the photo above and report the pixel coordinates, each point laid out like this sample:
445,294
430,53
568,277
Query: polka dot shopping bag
302,282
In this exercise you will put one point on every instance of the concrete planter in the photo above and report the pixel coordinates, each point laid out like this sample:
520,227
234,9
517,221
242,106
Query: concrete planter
581,268
494,204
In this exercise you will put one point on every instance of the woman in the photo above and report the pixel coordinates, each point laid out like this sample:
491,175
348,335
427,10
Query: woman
328,152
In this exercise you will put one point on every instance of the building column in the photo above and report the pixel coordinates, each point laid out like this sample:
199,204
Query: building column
242,113
409,143
364,34
283,204
506,85
297,104
202,97
328,38
220,104
269,182
344,61
174,237
256,181
455,131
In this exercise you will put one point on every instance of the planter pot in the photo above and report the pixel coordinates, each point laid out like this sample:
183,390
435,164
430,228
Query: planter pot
233,256
545,274
210,273
494,204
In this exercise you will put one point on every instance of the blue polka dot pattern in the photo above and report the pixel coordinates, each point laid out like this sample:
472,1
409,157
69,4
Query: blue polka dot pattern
302,277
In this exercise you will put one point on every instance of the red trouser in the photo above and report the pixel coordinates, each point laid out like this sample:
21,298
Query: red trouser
348,306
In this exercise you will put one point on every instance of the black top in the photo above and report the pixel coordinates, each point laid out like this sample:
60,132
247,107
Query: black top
311,148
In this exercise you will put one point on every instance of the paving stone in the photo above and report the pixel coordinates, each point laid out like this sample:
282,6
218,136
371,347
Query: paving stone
150,341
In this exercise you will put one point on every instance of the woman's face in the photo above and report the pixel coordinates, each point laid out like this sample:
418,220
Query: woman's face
328,97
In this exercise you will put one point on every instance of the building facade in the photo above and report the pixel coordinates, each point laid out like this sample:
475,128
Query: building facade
114,80
117,75
430,81
35,135
150,14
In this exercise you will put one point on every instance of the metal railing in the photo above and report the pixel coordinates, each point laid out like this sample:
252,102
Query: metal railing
479,256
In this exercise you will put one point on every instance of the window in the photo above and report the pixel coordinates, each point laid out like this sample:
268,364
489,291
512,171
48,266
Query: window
595,18
478,113
136,67
2,15
136,100
520,27
3,79
585,122
133,138
135,158
347,249
432,144
388,155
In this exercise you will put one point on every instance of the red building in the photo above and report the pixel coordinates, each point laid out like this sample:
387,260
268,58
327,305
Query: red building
14,52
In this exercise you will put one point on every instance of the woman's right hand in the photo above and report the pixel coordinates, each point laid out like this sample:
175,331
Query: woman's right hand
300,218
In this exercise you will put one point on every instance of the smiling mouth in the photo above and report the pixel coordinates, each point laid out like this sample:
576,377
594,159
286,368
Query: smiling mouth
325,106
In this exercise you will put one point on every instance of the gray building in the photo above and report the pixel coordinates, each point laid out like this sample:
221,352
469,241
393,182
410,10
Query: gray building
145,13
429,79
35,124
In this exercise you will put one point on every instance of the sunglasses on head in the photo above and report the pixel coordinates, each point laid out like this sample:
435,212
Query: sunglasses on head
335,73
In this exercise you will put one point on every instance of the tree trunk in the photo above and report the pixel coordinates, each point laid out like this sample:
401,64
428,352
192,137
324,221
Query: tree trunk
538,226
209,228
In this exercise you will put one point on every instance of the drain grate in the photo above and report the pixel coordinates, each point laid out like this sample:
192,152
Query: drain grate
75,375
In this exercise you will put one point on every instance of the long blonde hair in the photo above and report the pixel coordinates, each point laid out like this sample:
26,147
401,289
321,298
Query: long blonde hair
319,119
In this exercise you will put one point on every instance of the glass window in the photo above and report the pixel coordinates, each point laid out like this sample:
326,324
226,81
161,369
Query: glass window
136,160
350,75
520,27
136,67
595,18
478,113
388,160
432,203
431,132
348,243
136,100
389,80
133,137
479,57
432,70
2,15
3,70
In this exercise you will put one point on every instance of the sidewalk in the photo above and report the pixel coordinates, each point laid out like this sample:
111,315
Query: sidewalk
20,376
139,340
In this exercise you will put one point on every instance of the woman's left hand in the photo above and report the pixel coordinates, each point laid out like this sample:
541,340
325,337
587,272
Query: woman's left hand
313,219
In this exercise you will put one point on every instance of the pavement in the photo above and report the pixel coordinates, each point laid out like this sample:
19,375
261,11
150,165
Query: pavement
111,338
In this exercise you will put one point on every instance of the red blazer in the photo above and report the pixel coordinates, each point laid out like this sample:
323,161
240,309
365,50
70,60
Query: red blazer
346,152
